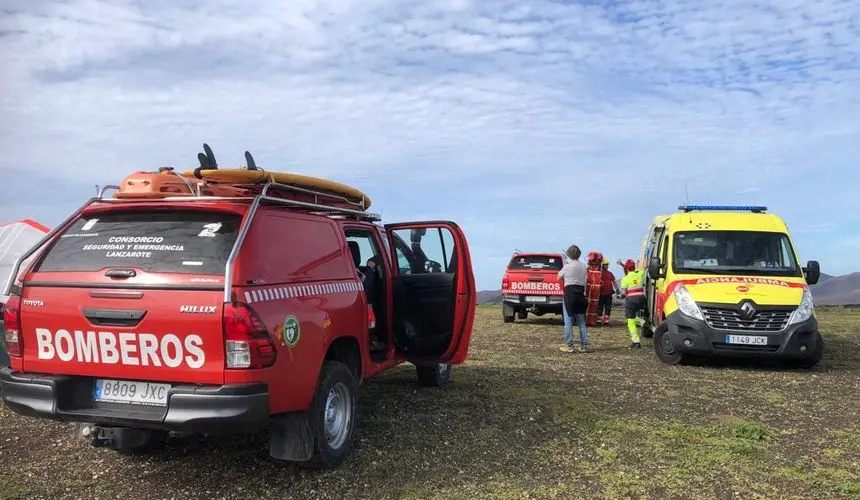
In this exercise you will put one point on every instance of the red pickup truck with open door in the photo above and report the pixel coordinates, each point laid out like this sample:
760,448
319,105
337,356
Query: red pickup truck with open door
202,314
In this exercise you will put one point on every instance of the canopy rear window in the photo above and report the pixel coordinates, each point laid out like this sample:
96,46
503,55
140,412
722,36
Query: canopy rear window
190,242
535,263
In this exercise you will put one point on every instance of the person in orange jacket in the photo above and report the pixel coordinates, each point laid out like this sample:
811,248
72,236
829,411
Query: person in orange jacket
608,288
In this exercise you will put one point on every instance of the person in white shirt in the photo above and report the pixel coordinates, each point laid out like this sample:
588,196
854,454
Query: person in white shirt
575,303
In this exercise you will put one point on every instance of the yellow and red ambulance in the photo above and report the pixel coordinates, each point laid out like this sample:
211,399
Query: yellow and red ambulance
726,281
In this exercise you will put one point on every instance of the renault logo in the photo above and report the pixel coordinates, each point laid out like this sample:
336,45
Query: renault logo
748,310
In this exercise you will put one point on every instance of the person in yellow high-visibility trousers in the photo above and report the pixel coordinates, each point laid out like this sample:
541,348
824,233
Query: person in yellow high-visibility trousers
633,288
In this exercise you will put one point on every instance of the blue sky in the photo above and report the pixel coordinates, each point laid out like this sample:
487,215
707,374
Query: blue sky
532,124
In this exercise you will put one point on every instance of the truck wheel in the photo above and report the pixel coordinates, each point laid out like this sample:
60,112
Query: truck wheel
508,313
434,375
522,314
663,349
811,360
332,415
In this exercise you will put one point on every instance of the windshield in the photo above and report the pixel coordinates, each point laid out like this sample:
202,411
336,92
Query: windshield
535,263
191,242
734,252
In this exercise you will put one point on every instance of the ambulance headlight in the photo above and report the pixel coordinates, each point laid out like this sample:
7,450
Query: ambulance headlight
805,310
686,303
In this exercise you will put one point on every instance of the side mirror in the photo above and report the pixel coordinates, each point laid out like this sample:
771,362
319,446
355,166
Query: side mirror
813,272
654,269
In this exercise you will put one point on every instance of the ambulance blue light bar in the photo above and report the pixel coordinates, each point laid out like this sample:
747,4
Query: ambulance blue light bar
734,208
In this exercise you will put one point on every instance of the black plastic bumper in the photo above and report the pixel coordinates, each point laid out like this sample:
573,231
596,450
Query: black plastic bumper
190,408
691,336
550,301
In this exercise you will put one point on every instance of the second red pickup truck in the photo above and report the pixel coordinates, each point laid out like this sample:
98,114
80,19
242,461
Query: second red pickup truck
531,285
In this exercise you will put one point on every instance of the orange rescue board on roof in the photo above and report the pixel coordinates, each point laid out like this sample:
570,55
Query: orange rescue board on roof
243,176
167,184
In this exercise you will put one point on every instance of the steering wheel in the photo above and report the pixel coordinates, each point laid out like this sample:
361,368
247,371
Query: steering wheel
431,266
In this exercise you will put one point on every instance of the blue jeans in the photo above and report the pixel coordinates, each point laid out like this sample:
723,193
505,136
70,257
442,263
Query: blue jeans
568,327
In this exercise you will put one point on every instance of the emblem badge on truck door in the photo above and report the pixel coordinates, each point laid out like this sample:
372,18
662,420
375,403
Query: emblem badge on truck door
292,331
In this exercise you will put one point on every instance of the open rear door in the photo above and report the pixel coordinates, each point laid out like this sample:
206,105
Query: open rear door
434,291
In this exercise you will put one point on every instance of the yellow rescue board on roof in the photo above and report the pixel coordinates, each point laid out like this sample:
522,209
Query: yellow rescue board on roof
244,176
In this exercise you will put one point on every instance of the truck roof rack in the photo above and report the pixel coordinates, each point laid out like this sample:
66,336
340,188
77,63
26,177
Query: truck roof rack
723,208
268,192
255,201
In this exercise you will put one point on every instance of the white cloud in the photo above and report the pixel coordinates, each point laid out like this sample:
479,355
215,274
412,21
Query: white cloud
560,113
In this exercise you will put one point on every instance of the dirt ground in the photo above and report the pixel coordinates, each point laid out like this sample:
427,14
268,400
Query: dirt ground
520,420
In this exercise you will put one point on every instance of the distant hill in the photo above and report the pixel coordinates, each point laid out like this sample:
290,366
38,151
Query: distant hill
489,297
837,290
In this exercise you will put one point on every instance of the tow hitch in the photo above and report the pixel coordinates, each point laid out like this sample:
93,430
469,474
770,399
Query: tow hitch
122,439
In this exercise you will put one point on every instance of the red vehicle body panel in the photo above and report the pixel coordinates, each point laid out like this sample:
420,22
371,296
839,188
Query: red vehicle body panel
533,281
291,263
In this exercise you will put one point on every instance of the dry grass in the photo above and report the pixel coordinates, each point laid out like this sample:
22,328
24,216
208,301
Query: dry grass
520,420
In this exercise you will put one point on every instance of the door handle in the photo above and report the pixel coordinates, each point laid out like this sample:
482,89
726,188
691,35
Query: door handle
121,273
114,317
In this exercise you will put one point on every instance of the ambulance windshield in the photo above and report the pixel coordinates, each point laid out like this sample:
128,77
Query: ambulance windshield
191,242
536,263
734,252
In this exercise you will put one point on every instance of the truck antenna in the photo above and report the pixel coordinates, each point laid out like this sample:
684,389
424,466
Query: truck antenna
687,200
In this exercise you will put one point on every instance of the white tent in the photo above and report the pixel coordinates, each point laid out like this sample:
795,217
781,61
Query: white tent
15,239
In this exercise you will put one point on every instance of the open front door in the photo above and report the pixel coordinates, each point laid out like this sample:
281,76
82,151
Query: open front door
434,291
658,249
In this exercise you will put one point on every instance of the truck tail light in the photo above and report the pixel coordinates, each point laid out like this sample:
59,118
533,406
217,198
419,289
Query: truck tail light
371,317
506,282
247,341
12,323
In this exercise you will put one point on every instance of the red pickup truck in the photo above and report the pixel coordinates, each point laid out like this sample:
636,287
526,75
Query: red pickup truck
531,285
204,314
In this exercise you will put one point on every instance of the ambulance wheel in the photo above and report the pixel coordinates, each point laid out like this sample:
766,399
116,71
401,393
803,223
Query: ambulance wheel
522,314
809,361
664,349
508,313
434,375
332,415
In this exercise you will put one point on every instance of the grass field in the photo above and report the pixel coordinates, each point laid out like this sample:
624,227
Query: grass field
520,420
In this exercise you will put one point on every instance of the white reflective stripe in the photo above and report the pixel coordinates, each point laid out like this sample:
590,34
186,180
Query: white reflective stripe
310,290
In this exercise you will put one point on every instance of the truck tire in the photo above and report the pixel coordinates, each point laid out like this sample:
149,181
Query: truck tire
507,313
434,375
811,360
332,415
664,351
